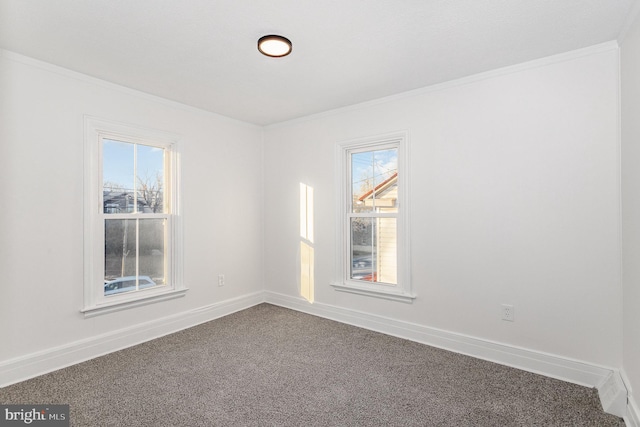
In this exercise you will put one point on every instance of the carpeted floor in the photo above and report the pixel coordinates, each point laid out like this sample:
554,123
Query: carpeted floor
269,366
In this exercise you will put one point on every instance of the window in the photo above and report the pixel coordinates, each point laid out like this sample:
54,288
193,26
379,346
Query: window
372,243
132,235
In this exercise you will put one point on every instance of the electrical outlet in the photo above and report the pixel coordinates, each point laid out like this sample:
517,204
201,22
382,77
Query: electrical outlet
507,312
220,279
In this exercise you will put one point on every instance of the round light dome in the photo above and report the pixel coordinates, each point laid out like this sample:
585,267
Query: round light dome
274,46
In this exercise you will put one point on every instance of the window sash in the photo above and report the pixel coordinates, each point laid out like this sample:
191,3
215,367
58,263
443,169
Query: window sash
166,261
348,163
373,215
137,216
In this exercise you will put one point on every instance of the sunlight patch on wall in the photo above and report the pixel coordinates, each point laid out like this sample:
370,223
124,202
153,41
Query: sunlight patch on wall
306,212
306,272
306,242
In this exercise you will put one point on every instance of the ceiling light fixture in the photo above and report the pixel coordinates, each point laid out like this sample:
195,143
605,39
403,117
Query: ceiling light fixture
274,46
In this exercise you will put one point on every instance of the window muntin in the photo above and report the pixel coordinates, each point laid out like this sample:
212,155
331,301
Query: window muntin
132,233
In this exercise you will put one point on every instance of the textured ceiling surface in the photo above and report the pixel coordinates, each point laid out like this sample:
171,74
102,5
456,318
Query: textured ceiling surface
203,52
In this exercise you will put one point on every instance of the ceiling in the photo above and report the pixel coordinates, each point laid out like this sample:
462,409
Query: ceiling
203,52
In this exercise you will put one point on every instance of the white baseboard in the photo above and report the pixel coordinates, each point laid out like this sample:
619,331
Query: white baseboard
632,417
541,363
613,394
32,365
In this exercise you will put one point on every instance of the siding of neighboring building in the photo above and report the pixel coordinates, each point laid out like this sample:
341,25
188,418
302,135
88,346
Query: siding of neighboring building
387,251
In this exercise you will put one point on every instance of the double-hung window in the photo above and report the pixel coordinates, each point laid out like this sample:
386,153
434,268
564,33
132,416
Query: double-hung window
132,233
372,240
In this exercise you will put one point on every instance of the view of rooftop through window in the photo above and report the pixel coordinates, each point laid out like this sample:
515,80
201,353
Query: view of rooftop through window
370,168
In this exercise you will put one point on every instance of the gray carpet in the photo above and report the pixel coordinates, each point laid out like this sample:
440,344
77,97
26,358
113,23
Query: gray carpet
269,366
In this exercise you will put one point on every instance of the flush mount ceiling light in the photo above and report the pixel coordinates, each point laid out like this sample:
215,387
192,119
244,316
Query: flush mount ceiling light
274,46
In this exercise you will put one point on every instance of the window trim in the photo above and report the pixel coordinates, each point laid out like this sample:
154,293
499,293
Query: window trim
95,130
402,291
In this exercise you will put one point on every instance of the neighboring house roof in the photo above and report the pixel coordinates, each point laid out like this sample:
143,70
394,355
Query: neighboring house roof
381,189
122,199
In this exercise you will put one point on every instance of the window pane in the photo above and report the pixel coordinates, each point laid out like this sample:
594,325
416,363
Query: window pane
361,180
374,181
363,249
119,254
118,176
150,179
374,249
152,251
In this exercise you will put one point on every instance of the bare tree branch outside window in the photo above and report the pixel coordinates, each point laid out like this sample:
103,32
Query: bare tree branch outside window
150,191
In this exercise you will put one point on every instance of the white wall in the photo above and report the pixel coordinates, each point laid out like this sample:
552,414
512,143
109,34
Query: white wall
515,199
630,73
41,184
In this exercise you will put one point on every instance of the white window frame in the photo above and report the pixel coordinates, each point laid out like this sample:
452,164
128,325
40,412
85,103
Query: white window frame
95,302
342,282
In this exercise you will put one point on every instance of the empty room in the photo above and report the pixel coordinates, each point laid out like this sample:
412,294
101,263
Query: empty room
357,212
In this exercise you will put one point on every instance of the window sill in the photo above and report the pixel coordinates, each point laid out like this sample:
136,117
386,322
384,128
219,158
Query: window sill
112,307
377,292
